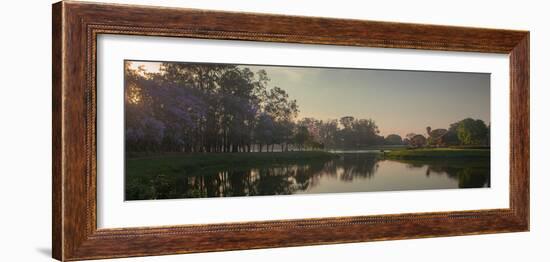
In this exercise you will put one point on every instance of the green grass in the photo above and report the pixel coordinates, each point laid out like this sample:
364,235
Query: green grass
378,147
424,153
184,163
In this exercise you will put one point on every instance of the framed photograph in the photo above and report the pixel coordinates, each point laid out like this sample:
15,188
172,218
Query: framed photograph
181,130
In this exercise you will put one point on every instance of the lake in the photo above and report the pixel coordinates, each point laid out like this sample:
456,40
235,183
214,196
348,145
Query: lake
349,172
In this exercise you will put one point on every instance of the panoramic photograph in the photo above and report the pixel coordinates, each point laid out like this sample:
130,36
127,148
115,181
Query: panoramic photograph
207,130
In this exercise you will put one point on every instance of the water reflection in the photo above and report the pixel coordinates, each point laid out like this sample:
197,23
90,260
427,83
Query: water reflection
357,172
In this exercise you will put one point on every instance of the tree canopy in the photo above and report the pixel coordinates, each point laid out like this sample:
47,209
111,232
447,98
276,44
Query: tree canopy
472,132
394,139
190,107
464,132
194,107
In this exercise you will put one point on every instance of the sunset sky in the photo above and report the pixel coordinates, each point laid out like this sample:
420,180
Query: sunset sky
399,101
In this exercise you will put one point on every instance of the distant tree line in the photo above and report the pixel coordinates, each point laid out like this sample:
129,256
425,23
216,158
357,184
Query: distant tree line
349,132
228,108
467,132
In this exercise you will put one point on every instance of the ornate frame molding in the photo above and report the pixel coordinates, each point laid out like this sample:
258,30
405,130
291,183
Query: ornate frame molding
76,26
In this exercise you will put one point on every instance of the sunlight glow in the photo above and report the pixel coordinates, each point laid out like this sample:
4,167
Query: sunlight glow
148,67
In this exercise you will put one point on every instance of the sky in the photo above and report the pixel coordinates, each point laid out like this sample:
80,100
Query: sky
400,102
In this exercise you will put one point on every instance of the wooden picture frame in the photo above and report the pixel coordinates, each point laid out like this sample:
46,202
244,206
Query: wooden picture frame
76,26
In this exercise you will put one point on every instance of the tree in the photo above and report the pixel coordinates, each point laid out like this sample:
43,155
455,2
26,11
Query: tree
202,107
393,139
451,137
436,136
357,133
328,131
418,141
472,132
265,128
347,122
365,133
410,135
302,136
283,111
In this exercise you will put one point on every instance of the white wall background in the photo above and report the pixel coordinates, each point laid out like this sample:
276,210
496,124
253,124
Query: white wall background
25,131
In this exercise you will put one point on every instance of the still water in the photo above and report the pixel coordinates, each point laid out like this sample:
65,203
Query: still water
351,172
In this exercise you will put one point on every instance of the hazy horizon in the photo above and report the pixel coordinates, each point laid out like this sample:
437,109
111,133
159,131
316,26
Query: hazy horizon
400,102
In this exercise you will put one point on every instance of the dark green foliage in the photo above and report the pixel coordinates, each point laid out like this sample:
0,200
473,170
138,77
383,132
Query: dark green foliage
464,132
472,132
393,139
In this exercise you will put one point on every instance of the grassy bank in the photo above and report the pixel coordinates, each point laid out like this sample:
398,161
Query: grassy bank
182,163
423,153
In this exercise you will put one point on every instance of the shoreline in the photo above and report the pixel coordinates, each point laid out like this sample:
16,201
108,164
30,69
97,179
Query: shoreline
438,153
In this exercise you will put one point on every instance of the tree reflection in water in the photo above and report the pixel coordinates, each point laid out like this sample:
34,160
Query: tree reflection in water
470,173
291,178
